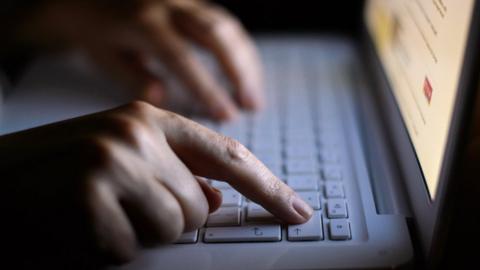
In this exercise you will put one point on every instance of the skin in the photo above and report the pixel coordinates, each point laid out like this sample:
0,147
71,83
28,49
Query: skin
123,37
97,188
132,177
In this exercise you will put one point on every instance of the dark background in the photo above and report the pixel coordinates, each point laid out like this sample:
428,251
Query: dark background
344,16
298,15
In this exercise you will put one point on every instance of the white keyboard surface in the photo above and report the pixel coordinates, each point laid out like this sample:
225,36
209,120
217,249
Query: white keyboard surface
297,137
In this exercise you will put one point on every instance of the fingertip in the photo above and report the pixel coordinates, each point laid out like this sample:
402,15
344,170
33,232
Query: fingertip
224,112
292,214
154,93
213,195
291,210
250,101
302,209
216,201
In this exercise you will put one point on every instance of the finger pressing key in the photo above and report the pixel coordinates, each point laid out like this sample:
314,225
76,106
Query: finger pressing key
212,155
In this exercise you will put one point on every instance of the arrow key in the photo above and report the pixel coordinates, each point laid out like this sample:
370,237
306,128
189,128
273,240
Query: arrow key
310,231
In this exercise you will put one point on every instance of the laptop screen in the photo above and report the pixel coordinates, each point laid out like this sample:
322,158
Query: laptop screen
421,45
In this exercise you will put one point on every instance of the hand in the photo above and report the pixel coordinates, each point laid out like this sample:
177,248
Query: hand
127,175
123,37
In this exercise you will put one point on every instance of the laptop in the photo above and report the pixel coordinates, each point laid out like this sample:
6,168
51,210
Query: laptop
366,131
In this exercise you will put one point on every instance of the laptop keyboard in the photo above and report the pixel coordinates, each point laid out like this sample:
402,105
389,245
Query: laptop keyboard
297,137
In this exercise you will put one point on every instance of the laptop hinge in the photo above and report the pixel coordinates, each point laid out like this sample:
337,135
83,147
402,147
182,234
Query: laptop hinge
385,176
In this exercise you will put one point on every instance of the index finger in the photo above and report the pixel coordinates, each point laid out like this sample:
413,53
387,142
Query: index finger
207,153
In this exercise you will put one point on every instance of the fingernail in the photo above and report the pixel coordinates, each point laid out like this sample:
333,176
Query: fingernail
223,112
302,207
155,94
247,100
216,190
251,97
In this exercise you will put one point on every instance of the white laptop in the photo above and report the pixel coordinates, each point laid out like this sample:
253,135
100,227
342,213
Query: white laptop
364,130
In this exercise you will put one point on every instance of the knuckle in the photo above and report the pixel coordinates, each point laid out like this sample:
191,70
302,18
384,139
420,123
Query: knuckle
222,26
89,189
200,218
149,15
196,213
177,56
94,188
220,18
140,109
98,150
168,115
129,129
235,151
176,223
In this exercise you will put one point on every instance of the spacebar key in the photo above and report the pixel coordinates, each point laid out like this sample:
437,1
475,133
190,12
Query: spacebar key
251,233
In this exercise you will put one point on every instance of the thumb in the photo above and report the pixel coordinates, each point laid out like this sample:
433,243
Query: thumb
214,196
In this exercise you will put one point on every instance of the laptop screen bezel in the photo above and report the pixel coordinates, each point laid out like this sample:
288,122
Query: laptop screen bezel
429,214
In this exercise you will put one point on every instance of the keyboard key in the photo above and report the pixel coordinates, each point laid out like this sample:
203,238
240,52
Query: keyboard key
298,124
332,174
206,122
231,197
266,149
329,156
188,238
294,152
310,231
236,128
339,229
268,159
329,135
301,166
275,168
224,216
334,190
220,185
268,125
256,212
270,140
336,208
277,171
243,139
265,134
305,133
251,233
312,198
300,135
303,182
